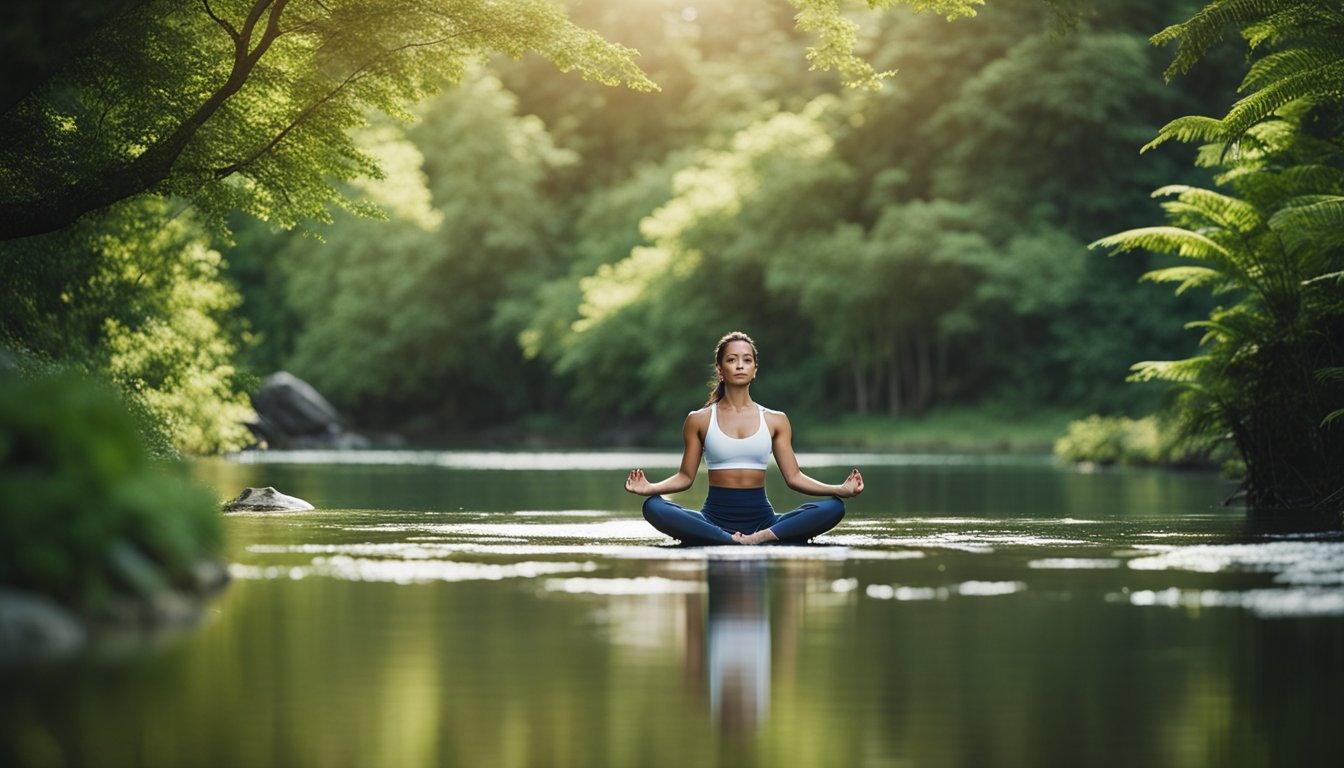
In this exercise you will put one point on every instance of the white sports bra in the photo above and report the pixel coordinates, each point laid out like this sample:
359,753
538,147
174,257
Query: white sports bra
724,452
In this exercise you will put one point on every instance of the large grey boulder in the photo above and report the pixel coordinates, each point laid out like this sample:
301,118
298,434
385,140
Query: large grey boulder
265,499
292,414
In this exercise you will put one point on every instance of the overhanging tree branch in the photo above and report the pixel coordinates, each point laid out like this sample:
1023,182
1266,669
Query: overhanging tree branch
228,28
153,166
359,73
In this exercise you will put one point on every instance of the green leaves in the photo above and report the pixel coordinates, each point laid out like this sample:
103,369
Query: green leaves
1174,240
1275,246
409,314
82,498
248,103
837,35
1309,68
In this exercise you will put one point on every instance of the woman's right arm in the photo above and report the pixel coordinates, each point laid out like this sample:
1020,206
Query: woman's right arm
692,449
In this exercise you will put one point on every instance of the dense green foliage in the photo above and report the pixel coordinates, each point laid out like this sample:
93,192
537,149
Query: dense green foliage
1121,440
128,144
68,451
415,314
1270,250
149,312
892,250
248,104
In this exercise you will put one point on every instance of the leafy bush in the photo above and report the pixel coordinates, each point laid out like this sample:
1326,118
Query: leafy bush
86,515
151,314
1122,440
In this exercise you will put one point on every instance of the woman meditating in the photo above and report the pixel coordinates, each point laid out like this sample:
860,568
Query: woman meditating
736,437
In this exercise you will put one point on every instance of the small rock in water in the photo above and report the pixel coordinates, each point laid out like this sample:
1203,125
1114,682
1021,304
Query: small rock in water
264,499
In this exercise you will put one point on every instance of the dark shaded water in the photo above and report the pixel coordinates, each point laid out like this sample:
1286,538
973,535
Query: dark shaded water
513,610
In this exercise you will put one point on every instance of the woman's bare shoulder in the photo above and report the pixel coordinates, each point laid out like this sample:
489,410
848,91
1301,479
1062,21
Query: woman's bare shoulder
699,417
776,420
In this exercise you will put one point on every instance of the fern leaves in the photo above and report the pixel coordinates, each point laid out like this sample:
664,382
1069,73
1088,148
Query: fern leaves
1269,370
1312,69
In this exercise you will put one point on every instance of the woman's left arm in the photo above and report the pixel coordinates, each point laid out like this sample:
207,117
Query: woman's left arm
782,441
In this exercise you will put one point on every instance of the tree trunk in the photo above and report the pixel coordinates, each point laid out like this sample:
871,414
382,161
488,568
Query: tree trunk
923,368
860,388
893,387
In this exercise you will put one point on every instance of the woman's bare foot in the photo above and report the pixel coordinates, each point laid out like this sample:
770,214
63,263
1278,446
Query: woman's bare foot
759,537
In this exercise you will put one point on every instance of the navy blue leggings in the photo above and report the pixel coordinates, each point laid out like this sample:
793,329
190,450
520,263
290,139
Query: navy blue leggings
747,510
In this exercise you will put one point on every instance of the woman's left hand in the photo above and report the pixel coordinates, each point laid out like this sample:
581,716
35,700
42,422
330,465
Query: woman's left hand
852,486
637,483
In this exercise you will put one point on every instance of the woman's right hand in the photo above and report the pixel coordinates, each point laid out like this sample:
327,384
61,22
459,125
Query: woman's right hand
852,486
638,484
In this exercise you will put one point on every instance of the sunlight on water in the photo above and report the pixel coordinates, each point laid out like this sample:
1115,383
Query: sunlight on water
1071,563
563,513
977,543
609,530
1293,562
411,571
967,588
1265,603
1312,569
645,585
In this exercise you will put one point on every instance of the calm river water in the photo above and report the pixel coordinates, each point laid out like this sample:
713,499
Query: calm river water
498,610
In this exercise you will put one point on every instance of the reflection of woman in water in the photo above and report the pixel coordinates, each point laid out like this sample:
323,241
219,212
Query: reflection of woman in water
736,437
737,643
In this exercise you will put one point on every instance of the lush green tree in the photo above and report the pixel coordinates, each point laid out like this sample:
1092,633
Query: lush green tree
248,104
405,316
885,302
643,322
135,296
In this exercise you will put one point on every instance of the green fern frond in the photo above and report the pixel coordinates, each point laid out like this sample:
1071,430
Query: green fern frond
1215,207
1324,81
1321,278
1289,63
1188,129
1326,375
1320,215
1315,221
1240,325
1188,277
1218,155
1174,240
1297,21
1223,331
1205,29
1175,371
1314,178
1332,417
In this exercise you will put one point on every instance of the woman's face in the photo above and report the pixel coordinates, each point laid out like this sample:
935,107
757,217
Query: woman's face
739,363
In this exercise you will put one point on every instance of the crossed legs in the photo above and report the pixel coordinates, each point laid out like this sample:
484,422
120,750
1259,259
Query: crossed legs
690,527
